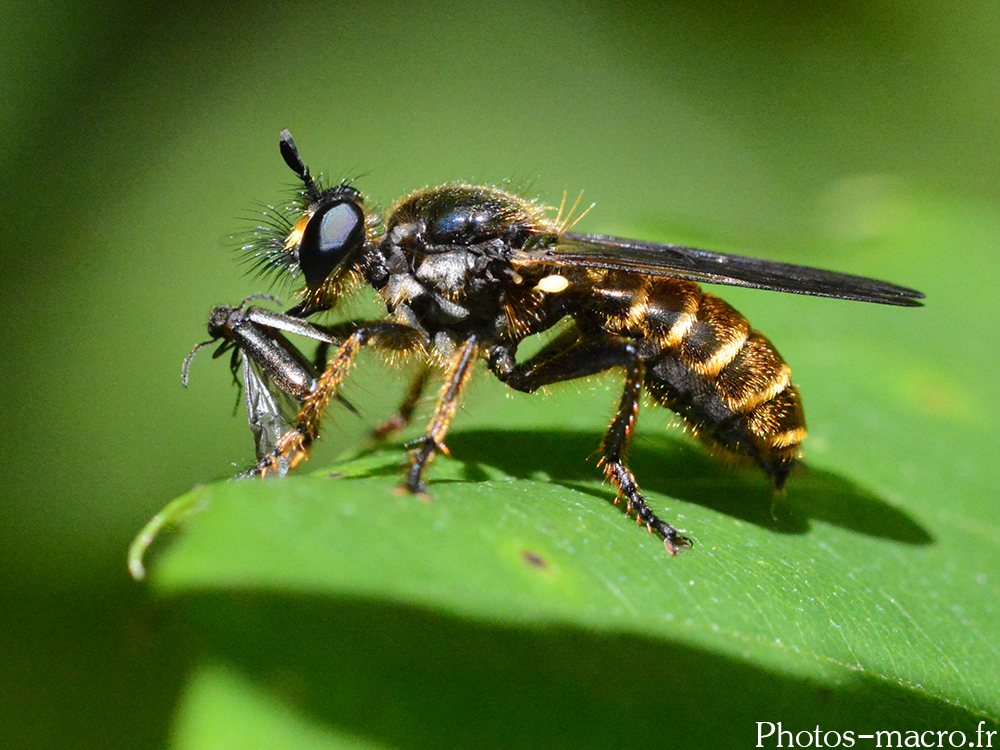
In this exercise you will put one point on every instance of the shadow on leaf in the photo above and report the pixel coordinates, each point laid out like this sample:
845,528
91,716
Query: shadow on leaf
402,676
678,469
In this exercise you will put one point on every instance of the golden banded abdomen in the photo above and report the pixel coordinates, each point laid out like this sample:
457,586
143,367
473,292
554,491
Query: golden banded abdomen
705,362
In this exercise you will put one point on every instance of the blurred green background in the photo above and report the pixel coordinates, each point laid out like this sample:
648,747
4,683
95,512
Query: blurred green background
139,137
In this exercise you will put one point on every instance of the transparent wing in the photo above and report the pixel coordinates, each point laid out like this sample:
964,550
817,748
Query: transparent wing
269,416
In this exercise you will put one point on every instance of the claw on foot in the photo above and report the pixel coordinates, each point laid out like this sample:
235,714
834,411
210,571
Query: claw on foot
674,541
289,451
420,492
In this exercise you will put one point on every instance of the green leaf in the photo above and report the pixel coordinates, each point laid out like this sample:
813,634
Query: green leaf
520,608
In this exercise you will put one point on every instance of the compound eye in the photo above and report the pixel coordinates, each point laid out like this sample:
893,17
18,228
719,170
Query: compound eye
331,240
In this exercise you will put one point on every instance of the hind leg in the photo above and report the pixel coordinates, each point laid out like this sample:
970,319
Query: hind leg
580,358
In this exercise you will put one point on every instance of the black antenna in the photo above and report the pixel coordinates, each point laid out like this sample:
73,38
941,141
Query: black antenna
187,360
291,156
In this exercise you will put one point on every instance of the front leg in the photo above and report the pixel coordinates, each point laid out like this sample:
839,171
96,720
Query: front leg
579,358
292,447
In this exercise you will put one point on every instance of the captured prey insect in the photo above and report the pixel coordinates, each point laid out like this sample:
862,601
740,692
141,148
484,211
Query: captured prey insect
269,362
466,273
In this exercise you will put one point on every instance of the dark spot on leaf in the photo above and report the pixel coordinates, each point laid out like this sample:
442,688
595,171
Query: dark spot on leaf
532,559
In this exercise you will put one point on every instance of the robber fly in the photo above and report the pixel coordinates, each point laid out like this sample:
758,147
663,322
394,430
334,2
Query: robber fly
467,272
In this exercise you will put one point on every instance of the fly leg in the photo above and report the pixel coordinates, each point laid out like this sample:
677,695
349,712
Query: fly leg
581,358
424,449
615,445
404,413
293,446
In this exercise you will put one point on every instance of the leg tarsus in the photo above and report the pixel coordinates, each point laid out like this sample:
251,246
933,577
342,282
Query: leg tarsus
404,413
615,445
624,482
290,450
422,452
425,448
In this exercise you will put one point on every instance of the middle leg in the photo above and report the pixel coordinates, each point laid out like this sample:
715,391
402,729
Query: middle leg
424,449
